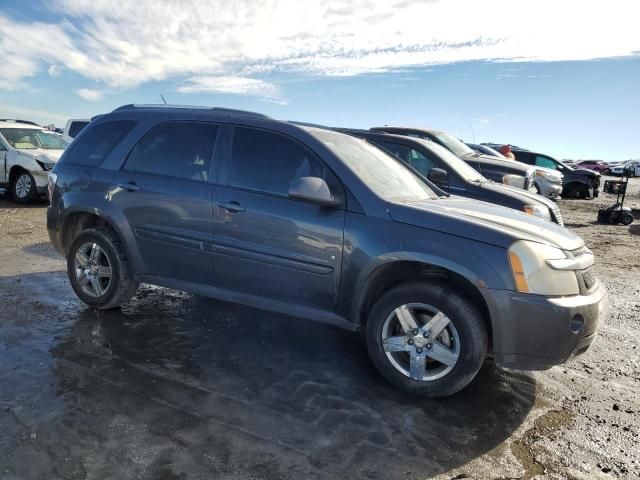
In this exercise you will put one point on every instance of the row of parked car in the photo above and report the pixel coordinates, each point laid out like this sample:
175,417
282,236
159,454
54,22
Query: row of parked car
379,231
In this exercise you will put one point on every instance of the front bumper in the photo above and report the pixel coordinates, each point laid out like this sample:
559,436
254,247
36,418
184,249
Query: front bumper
548,189
534,332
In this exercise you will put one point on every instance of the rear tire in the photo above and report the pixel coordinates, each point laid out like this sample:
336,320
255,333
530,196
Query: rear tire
627,219
23,187
98,269
454,347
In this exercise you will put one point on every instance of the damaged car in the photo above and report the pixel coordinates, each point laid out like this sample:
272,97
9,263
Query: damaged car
320,225
27,153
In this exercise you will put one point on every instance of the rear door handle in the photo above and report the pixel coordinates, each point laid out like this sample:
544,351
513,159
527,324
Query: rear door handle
131,186
232,207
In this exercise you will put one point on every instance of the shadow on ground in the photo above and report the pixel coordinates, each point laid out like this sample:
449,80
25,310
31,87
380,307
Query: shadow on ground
177,386
44,249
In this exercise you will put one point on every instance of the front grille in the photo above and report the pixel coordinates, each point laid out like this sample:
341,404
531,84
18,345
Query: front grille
587,279
557,216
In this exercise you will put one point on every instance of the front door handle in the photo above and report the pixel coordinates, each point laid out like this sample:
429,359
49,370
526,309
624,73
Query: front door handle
131,186
232,207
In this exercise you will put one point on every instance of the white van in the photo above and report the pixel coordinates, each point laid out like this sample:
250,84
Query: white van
27,153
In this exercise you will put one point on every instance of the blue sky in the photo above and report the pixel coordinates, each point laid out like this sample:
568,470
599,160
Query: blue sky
552,84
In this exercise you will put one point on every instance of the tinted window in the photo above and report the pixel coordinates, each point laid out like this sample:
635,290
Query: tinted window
411,157
76,127
269,162
98,142
524,157
182,150
546,162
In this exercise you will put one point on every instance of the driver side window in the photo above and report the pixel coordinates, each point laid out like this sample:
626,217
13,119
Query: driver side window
545,162
268,162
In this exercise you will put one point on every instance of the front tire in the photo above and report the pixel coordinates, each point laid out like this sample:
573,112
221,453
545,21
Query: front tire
426,338
23,187
99,271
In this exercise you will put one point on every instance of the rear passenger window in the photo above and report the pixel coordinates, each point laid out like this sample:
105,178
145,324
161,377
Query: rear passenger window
178,149
93,148
269,162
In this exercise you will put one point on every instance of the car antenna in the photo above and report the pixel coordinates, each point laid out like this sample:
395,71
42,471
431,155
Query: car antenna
162,97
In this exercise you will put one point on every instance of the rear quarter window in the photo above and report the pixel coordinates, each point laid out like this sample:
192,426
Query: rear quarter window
92,148
76,128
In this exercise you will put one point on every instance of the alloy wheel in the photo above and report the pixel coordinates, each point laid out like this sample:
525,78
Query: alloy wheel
420,341
23,185
93,269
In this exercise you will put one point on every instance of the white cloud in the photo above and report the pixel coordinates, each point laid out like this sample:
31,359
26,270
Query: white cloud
42,116
227,84
225,45
55,70
90,94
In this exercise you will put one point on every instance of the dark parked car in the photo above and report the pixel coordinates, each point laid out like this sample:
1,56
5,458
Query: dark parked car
321,225
496,169
595,165
485,149
451,174
578,182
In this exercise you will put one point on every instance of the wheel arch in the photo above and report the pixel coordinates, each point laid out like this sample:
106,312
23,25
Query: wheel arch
395,272
77,220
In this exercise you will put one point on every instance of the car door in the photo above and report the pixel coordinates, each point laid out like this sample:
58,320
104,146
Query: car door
3,163
267,244
164,191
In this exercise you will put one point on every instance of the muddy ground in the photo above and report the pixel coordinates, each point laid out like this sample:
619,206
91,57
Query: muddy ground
175,386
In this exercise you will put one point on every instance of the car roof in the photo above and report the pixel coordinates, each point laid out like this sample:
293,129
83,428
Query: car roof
165,108
19,124
408,129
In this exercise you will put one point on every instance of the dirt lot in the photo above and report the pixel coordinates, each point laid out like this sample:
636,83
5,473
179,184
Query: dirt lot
176,386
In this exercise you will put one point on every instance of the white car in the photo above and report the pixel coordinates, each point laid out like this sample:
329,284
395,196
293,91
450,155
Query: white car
633,169
74,127
27,153
548,182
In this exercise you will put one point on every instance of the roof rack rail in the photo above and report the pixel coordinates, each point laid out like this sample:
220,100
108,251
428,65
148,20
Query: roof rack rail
308,124
230,111
15,120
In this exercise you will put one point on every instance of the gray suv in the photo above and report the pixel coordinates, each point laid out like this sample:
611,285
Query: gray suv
320,225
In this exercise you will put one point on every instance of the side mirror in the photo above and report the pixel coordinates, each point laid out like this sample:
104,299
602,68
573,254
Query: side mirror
438,176
314,190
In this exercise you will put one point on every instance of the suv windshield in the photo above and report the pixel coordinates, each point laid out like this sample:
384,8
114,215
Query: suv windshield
32,138
461,167
382,173
453,144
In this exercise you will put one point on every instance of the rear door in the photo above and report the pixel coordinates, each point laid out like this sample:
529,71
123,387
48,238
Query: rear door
3,163
265,243
165,192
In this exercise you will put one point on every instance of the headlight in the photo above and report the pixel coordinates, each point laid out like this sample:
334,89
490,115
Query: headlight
532,271
51,183
46,165
513,180
538,211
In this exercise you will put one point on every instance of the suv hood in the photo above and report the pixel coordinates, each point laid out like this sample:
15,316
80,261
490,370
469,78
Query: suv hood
484,222
586,171
42,154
